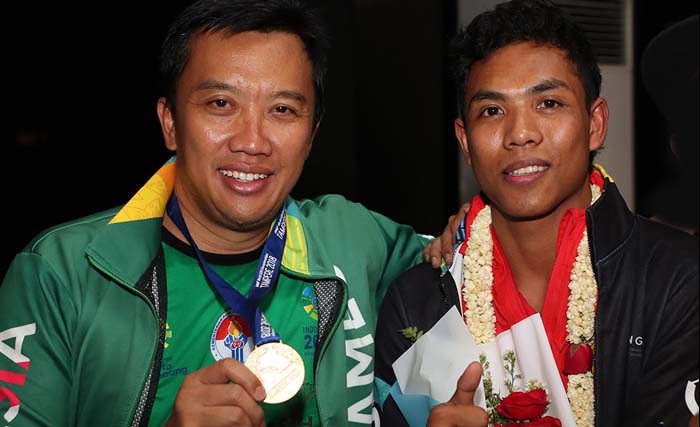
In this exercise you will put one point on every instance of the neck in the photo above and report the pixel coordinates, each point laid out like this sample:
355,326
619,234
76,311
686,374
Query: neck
224,241
530,248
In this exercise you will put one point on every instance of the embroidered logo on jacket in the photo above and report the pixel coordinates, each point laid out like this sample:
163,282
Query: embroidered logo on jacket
308,299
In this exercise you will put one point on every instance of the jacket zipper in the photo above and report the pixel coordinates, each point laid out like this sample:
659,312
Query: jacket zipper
596,385
325,344
143,395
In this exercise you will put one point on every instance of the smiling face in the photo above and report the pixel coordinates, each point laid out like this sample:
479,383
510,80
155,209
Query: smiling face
242,128
527,132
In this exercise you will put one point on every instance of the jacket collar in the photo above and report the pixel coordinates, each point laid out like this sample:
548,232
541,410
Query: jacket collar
132,238
609,221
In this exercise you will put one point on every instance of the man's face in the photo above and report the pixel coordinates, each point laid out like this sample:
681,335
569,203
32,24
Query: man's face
242,127
528,132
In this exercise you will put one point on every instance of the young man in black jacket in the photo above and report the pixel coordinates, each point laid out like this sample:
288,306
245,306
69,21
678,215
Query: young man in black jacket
581,313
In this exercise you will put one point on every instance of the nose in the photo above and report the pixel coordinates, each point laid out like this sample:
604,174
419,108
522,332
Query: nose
250,135
523,129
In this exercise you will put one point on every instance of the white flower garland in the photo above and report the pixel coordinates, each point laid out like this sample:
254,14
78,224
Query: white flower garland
580,325
478,279
481,318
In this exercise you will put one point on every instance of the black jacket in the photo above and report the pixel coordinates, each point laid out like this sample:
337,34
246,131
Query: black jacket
646,328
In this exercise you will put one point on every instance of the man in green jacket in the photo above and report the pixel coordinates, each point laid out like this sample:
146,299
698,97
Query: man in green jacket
91,335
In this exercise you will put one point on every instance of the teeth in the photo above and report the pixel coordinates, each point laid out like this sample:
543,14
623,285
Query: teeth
242,176
528,170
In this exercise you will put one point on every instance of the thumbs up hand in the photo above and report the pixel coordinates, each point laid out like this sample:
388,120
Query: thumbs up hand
460,410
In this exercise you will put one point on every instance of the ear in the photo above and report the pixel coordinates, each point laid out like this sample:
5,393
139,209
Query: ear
461,134
167,124
598,126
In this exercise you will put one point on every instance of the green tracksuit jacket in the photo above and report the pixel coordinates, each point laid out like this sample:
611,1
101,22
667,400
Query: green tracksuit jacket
82,309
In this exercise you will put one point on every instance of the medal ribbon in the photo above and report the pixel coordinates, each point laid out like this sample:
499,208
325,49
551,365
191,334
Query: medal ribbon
265,276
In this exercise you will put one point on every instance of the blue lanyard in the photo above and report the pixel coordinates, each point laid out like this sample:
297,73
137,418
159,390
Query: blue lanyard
265,277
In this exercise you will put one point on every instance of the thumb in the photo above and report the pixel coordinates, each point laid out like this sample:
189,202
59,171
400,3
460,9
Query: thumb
467,385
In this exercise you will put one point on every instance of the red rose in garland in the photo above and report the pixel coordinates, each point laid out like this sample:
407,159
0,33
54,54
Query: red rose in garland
524,406
579,360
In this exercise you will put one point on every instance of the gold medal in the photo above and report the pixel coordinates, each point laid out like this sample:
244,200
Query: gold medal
279,368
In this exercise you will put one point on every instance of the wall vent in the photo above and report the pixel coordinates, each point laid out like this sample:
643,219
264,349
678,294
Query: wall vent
604,25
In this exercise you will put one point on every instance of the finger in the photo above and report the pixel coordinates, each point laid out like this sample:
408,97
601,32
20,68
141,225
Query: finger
195,399
434,254
450,238
460,217
467,385
448,414
426,251
233,395
226,416
230,370
237,396
448,243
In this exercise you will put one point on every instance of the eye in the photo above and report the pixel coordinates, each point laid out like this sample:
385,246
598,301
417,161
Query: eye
491,111
219,104
284,110
549,104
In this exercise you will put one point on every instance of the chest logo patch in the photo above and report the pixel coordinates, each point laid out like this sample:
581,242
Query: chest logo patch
231,338
308,299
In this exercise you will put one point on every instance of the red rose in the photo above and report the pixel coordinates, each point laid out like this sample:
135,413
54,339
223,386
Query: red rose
579,359
523,406
544,422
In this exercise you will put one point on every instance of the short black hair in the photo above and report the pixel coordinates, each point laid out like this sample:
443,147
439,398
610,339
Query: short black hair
537,21
297,17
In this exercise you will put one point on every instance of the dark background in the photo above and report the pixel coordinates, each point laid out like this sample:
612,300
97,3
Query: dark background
666,183
80,131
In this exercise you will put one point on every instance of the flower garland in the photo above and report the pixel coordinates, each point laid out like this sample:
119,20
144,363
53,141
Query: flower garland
481,318
478,279
580,325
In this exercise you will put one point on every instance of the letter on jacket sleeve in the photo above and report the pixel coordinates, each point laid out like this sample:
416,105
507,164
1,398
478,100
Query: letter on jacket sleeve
36,320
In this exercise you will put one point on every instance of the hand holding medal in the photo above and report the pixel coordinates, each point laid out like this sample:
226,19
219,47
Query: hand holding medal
217,394
278,366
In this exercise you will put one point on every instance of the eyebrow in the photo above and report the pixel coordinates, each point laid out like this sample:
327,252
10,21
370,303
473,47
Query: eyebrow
290,94
543,86
487,95
213,84
547,85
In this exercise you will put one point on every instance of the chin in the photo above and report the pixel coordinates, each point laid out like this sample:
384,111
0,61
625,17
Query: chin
526,216
524,211
243,223
248,224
